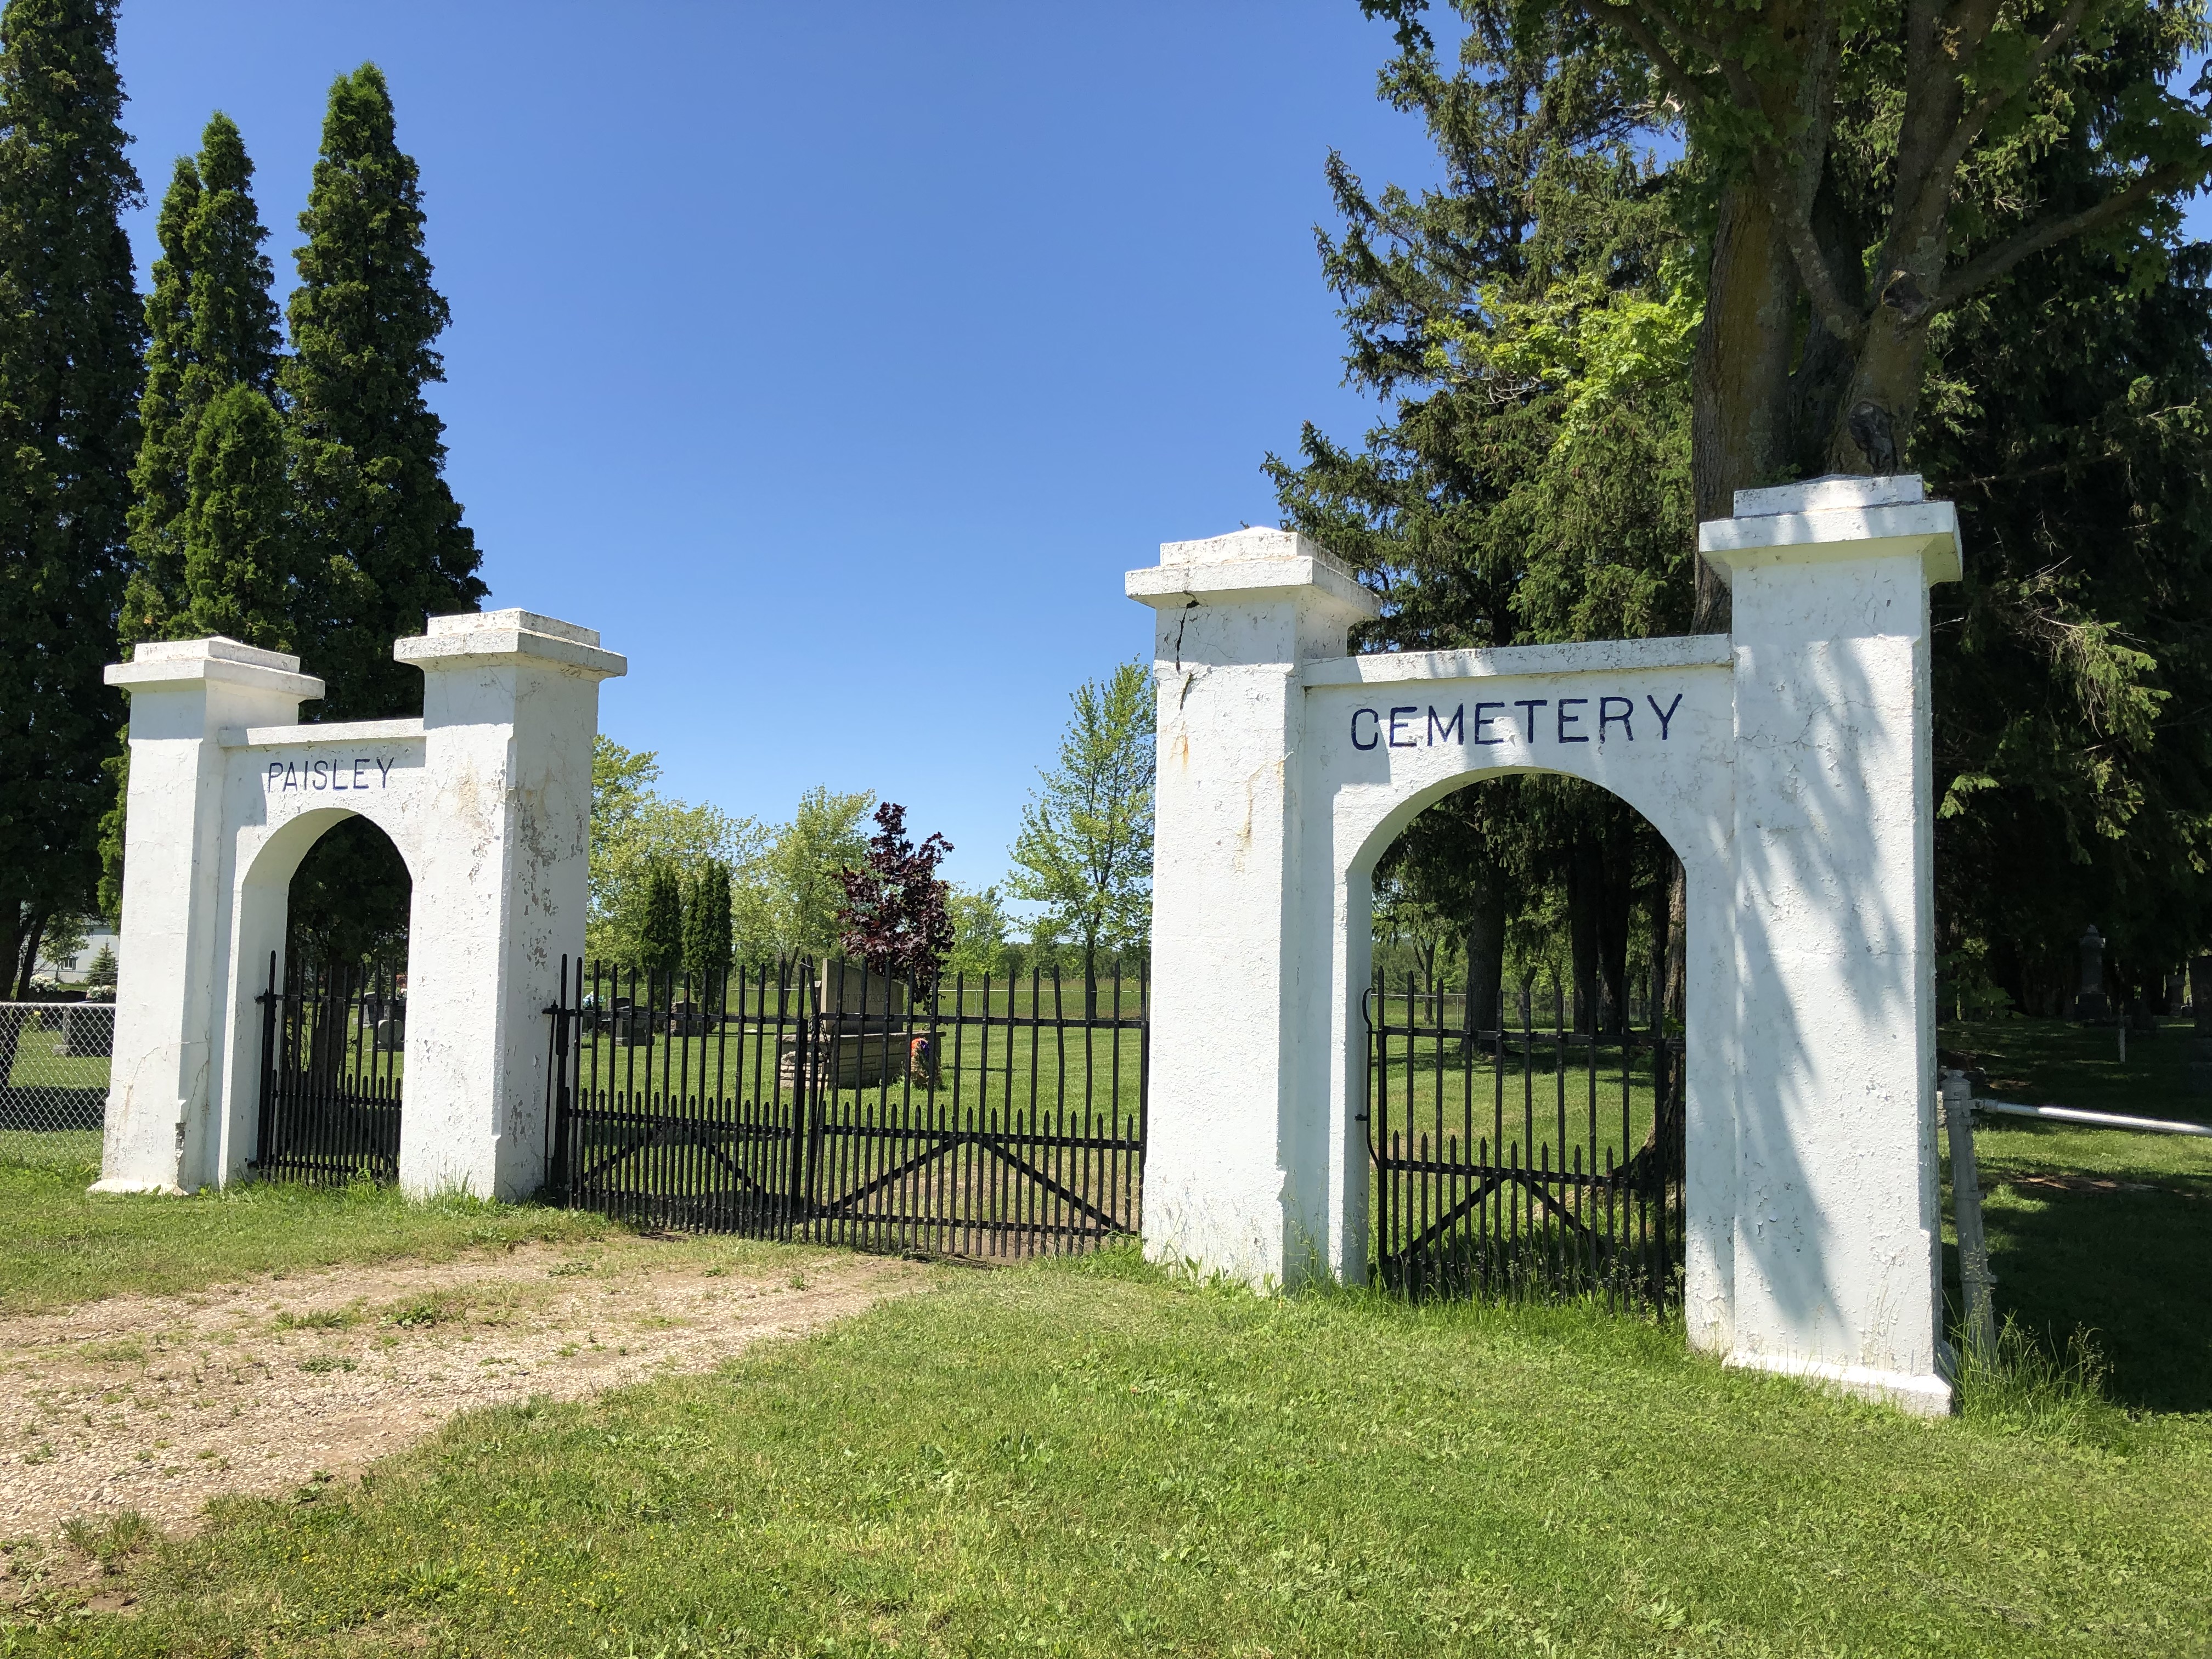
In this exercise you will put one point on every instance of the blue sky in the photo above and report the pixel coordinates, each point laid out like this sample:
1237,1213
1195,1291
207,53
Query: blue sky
835,362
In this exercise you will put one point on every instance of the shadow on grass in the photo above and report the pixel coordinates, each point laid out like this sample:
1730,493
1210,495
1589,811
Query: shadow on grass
2127,1267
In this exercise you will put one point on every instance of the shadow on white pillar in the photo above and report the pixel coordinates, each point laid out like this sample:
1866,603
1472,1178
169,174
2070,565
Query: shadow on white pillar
1792,777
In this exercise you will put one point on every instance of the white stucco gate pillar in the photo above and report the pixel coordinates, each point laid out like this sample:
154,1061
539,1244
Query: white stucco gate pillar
1787,764
488,797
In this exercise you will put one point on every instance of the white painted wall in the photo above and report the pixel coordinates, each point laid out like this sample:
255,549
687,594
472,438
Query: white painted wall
487,797
1791,778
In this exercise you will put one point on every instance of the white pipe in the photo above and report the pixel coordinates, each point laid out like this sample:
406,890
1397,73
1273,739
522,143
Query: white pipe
2157,1126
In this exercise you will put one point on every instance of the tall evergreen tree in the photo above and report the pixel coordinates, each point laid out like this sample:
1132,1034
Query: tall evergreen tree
369,455
660,938
237,524
212,327
210,525
1534,318
71,330
709,946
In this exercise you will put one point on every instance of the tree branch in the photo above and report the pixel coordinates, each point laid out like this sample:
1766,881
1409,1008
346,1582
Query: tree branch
1987,267
1837,314
1936,187
1631,22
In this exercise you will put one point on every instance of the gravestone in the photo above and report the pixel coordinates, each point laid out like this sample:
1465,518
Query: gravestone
2091,1004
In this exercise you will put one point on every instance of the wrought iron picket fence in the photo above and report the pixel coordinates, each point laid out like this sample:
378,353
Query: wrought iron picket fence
1516,1156
332,1060
53,1072
986,1118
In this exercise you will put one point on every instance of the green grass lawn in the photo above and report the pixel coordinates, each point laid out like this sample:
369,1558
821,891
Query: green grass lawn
1090,1460
2098,1229
59,1244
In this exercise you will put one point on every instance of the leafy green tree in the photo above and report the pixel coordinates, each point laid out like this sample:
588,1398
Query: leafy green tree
100,976
636,827
350,902
980,928
380,525
802,895
1860,172
2075,430
1535,319
1085,850
71,331
708,947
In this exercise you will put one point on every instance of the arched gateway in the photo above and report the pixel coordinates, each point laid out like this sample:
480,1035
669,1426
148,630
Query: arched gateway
1787,763
488,797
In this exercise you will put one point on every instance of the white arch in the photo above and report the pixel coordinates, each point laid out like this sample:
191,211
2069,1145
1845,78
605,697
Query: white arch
487,799
1787,766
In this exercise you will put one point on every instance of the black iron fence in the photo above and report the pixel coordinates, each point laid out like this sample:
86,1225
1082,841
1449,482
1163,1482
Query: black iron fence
1514,1156
332,1056
990,1118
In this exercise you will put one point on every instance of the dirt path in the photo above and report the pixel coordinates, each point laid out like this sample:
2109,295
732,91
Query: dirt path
157,1404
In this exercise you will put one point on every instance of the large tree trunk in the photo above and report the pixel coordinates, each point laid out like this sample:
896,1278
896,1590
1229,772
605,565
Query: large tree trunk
14,917
27,961
1740,376
1617,905
1585,898
1678,943
1486,951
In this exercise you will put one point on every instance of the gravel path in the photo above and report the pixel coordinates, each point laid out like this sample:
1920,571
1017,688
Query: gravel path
158,1404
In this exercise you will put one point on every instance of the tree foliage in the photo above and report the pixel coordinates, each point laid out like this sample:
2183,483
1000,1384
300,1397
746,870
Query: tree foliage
794,906
1534,320
1859,172
1085,849
211,518
710,947
378,522
71,330
895,917
637,831
1588,349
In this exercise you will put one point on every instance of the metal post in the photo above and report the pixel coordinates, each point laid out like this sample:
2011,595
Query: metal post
1975,1279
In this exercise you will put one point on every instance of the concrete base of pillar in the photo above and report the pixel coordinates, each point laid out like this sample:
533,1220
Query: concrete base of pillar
1922,1396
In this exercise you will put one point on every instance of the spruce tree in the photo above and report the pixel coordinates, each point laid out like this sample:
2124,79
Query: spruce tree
71,330
383,528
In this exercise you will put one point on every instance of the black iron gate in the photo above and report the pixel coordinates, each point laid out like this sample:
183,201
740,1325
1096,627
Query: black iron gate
987,1119
331,1044
1515,1155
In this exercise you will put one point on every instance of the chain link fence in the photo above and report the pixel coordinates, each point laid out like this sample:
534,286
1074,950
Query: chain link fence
54,1060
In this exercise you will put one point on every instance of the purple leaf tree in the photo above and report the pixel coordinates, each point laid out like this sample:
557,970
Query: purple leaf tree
895,917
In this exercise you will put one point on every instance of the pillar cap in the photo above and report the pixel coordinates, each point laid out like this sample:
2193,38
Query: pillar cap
1254,563
483,639
1836,517
216,658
